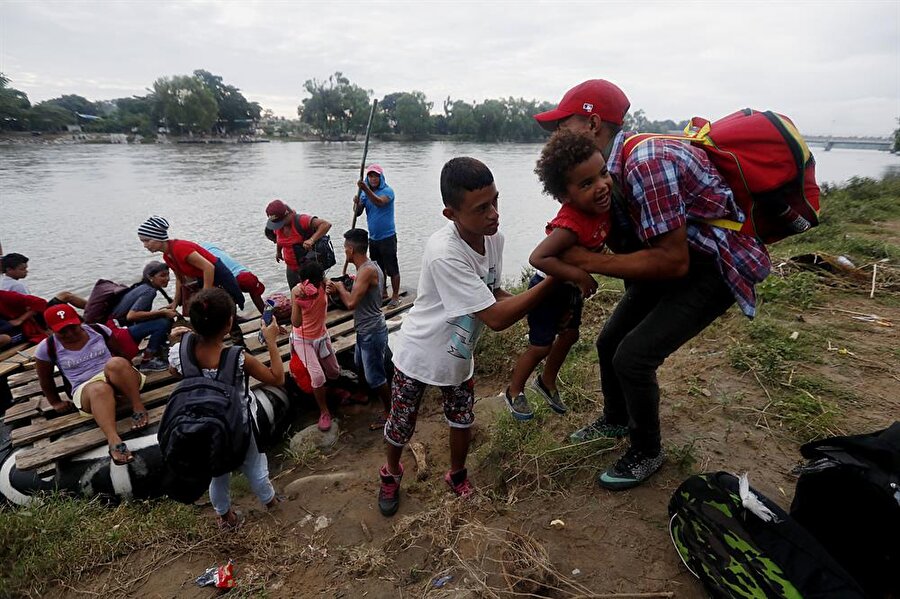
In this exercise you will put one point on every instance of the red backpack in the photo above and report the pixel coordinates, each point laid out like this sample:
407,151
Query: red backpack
767,164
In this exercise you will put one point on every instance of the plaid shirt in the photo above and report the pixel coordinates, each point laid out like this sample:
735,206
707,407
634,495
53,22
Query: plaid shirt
670,184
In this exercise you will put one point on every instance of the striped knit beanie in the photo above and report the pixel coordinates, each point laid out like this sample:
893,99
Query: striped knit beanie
155,227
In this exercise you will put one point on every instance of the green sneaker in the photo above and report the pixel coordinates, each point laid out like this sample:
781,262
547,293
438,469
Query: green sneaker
631,469
599,429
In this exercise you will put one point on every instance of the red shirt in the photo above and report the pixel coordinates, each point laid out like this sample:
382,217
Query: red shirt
13,305
591,230
288,236
177,255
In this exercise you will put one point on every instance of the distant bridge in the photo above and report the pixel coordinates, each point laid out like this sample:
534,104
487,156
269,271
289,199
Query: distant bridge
858,143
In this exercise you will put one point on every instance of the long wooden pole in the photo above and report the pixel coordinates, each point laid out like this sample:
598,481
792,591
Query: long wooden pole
362,171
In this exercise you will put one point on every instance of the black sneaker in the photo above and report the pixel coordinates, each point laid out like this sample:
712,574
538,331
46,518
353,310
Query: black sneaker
553,399
389,494
519,406
632,469
599,429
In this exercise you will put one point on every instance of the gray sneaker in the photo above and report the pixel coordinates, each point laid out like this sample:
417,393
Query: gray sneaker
599,429
553,399
632,469
153,365
518,406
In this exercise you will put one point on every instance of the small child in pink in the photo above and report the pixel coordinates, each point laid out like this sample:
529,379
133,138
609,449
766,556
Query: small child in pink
310,339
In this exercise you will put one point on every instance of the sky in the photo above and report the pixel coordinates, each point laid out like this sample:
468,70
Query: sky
832,66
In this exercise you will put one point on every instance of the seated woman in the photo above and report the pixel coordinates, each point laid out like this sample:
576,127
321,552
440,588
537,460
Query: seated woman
98,379
135,311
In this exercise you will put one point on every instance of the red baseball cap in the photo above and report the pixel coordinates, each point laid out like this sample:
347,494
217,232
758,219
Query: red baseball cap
60,316
277,211
594,96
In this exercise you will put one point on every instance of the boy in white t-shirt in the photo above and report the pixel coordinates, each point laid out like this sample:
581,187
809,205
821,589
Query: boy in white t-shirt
459,292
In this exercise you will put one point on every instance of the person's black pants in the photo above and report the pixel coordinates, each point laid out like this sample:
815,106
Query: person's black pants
650,322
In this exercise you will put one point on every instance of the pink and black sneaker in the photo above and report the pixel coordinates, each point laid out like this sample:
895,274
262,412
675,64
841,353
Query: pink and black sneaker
459,483
389,494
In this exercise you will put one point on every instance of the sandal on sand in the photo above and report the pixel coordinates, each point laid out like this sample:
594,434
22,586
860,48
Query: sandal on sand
324,422
378,423
230,522
124,456
139,421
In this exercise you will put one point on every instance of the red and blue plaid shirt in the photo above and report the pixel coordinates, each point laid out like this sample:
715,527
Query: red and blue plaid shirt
670,184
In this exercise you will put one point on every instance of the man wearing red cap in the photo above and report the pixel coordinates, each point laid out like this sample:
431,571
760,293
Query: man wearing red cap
680,272
294,235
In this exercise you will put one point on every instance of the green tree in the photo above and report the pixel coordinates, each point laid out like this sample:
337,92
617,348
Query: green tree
407,113
74,103
335,106
14,106
460,118
49,117
184,102
896,146
235,111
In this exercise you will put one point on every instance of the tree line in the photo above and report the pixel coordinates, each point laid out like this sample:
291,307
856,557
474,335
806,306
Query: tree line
201,102
335,109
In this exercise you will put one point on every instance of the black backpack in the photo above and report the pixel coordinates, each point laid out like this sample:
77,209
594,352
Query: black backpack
752,551
848,497
205,429
322,251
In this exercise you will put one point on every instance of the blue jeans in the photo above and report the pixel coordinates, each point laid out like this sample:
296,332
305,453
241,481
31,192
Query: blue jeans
256,469
157,329
370,351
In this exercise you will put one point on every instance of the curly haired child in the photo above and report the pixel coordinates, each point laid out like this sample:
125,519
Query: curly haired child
573,171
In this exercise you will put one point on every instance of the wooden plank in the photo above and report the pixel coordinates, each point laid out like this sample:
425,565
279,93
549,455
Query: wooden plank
343,339
29,459
13,350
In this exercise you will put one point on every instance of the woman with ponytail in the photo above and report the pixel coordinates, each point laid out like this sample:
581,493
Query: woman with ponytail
194,267
212,314
135,311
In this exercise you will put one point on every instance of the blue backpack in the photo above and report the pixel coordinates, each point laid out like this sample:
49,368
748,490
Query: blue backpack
205,429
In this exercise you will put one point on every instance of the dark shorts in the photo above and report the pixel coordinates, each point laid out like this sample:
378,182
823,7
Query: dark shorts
560,311
384,253
406,395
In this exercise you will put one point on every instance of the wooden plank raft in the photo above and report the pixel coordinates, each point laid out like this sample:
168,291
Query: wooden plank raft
42,430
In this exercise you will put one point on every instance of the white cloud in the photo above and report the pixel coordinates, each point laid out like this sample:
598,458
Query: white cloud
832,66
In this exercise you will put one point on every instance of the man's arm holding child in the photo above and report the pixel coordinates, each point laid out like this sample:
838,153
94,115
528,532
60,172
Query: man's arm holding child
545,258
666,258
509,308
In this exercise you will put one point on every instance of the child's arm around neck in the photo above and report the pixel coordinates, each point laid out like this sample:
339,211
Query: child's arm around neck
545,257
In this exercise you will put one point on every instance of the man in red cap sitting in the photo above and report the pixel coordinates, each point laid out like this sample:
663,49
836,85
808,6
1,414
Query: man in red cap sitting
680,272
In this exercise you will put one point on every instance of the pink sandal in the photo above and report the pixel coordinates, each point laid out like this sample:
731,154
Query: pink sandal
324,422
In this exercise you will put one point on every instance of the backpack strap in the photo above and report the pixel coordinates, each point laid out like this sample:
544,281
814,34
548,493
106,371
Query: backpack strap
99,329
189,367
695,137
54,362
229,366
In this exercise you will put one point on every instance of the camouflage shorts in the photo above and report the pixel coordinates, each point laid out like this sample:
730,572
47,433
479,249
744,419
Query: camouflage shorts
406,395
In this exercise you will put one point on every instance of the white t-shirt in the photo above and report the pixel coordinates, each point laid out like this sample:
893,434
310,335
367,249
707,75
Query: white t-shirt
11,284
437,340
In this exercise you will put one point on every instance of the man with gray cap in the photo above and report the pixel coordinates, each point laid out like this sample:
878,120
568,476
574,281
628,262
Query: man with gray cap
680,271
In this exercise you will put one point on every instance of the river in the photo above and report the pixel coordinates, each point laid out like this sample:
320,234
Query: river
74,209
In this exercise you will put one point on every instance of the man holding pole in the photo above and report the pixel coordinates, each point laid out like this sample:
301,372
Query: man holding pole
377,199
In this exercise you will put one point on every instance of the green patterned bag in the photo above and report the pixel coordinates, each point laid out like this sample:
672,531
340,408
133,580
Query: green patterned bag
741,544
